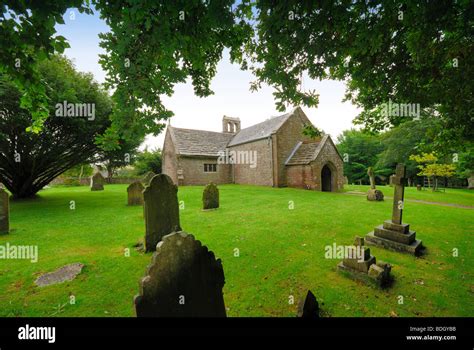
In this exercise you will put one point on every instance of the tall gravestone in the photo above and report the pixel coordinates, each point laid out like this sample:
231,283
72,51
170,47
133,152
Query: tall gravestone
97,182
373,194
210,197
161,210
184,279
135,193
147,178
393,234
4,212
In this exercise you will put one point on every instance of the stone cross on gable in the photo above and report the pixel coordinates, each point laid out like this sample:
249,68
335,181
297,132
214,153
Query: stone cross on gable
399,181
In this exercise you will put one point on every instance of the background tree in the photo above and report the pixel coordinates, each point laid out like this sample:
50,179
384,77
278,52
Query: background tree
148,161
29,161
409,52
27,36
430,168
406,52
360,150
399,143
113,159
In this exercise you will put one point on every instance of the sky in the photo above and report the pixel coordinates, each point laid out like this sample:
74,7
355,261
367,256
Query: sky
231,86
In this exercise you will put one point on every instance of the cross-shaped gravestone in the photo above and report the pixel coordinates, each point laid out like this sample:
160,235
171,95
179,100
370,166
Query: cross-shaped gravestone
370,172
398,193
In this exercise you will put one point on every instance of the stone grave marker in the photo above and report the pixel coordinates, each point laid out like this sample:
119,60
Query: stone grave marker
210,197
308,307
161,210
184,279
63,274
4,212
363,266
373,194
97,182
147,178
393,234
135,193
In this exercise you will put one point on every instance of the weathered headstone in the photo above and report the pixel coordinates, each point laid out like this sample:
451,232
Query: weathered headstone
147,178
97,182
373,194
308,307
210,197
135,193
393,234
161,210
4,212
390,180
346,180
362,266
184,279
470,182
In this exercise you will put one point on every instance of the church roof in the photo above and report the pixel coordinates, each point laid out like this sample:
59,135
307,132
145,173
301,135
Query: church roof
260,131
199,142
306,152
208,143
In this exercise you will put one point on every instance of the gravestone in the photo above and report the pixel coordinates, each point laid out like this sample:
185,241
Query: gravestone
346,180
161,210
135,193
210,197
373,194
147,178
308,307
363,266
390,180
63,274
393,234
184,279
470,182
4,212
97,182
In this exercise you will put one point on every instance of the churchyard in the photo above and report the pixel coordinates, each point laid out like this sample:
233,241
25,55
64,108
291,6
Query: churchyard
272,243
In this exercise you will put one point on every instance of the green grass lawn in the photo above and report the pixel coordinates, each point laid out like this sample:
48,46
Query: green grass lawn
281,252
450,195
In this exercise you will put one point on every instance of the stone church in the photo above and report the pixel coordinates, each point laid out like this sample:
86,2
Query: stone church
271,153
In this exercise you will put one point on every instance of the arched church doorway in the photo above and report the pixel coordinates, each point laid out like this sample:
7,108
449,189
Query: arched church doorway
326,185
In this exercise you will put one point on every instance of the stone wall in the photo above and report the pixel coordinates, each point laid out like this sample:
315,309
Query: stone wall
262,173
86,181
191,171
300,176
328,156
287,137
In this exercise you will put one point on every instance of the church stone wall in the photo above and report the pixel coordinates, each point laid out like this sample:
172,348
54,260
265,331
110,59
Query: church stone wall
170,160
262,173
288,136
328,155
300,176
191,171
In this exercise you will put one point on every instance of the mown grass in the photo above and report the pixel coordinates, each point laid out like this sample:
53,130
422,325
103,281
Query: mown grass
281,252
449,195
